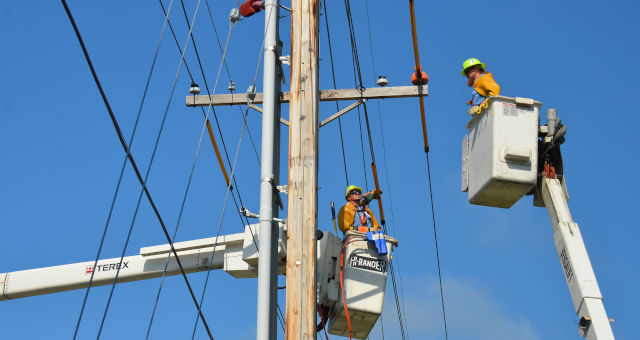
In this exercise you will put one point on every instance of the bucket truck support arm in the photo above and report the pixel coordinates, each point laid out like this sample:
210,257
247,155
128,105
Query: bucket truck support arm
574,259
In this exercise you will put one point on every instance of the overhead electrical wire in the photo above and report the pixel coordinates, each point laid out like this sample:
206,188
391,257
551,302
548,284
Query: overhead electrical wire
243,220
195,48
224,207
280,314
253,144
418,68
208,126
384,154
233,167
333,75
354,51
155,148
131,160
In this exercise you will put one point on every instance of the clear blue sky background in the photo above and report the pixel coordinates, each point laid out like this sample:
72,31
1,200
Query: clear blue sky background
502,278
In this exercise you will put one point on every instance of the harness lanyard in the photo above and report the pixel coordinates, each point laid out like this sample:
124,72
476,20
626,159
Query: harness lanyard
363,218
362,215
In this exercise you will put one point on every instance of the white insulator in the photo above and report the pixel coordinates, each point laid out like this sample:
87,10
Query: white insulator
194,89
382,81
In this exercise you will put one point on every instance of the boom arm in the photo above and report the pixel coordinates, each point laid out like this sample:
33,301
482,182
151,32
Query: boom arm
237,254
585,293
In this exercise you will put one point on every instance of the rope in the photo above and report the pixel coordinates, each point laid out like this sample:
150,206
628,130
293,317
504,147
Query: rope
344,301
128,156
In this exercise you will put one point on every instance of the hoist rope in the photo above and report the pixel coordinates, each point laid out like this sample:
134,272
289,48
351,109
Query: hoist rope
131,160
414,36
333,75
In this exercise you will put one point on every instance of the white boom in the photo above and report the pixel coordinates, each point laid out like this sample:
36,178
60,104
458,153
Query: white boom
236,254
365,272
585,293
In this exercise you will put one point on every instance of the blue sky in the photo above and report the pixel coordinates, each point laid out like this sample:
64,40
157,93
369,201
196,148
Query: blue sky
502,278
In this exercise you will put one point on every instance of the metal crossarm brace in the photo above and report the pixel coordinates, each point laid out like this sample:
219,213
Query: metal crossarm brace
577,268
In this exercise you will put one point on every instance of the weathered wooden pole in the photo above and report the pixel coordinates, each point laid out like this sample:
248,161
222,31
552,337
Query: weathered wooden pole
303,172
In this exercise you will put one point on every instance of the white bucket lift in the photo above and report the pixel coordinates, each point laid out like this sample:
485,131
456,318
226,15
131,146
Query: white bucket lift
500,153
508,154
364,280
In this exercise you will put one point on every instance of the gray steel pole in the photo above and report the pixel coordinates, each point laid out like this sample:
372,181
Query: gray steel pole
268,230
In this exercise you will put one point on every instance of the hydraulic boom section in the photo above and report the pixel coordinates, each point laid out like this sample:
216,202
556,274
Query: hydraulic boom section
506,155
585,293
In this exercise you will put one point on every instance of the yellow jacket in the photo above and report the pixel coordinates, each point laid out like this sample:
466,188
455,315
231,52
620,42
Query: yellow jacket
486,86
347,214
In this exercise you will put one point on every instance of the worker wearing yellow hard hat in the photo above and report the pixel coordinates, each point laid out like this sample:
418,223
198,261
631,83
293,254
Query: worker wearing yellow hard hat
355,215
482,82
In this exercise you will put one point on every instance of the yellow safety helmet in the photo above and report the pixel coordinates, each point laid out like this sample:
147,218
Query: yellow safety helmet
472,62
349,188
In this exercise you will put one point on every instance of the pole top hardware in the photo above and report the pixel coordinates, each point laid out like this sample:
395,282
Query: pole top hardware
382,81
194,89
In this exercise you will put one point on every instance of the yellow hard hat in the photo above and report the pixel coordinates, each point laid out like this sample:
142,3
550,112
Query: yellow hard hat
349,188
472,62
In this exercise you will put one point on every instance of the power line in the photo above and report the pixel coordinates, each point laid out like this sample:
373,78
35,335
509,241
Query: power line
384,154
244,125
130,157
333,76
435,237
243,220
354,53
205,126
144,185
224,206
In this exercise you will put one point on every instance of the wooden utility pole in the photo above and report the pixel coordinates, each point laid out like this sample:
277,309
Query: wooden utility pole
303,172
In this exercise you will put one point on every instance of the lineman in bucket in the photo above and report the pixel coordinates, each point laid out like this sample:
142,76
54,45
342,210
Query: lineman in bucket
355,215
482,82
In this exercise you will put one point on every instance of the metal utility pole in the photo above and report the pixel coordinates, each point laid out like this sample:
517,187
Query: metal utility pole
303,172
269,175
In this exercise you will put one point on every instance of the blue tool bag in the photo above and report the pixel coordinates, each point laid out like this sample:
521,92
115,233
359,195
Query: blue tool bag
378,238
